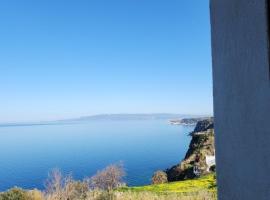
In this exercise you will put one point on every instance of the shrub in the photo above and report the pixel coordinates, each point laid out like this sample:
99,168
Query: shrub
109,178
35,195
213,168
80,189
159,177
14,194
59,187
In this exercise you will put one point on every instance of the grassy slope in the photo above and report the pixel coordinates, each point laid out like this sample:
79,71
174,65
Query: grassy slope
189,186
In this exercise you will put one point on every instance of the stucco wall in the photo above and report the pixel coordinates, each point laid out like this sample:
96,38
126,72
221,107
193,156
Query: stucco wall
241,98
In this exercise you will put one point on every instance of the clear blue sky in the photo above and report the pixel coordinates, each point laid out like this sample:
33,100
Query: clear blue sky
63,58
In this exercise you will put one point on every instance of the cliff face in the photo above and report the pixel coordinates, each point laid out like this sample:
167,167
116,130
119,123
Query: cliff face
199,159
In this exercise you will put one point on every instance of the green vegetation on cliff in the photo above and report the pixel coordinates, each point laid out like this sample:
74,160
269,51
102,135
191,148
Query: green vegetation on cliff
197,189
205,183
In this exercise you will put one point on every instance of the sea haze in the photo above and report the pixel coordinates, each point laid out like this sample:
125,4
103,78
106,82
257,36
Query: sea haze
144,146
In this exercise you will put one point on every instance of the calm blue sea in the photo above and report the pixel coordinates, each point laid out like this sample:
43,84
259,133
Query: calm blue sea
27,153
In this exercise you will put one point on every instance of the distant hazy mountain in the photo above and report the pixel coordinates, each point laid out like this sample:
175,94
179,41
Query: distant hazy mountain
165,116
158,116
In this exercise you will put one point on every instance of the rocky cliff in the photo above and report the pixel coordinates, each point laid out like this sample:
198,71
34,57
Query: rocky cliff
200,157
188,121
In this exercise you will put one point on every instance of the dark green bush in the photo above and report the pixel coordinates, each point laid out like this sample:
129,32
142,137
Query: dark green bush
14,194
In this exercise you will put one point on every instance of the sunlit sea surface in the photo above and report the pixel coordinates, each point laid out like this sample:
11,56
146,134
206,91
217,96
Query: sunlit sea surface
27,153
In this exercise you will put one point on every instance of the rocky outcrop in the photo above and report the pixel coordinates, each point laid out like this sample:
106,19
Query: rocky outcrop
200,157
187,121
